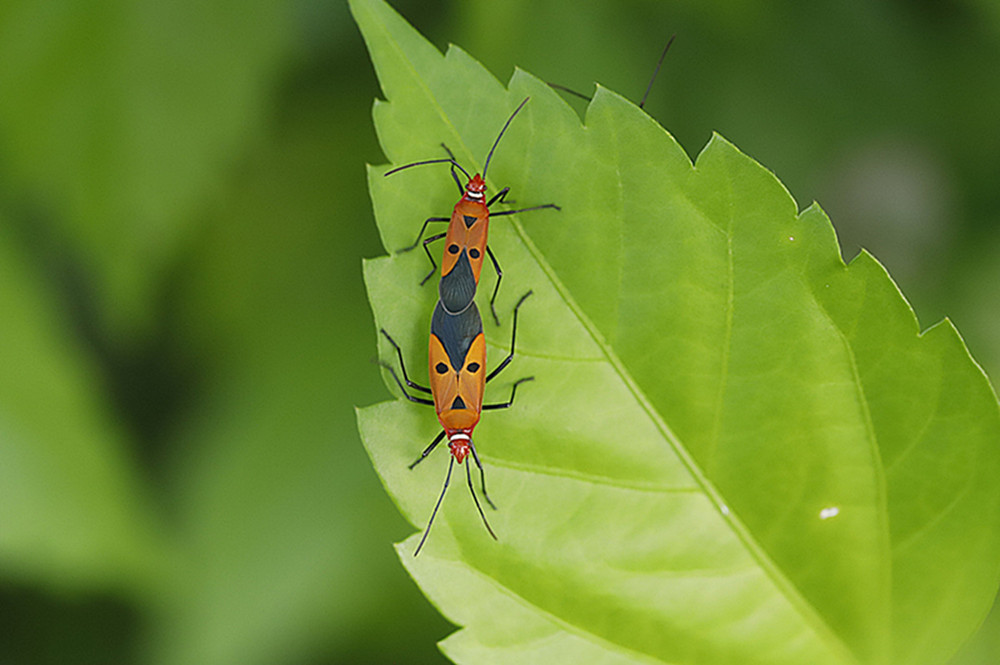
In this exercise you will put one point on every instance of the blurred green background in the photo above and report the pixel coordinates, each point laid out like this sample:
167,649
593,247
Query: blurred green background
183,328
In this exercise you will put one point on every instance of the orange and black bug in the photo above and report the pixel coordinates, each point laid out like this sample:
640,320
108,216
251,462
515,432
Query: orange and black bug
466,237
458,378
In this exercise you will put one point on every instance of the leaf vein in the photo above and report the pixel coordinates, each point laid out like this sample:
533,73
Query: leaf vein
590,478
809,613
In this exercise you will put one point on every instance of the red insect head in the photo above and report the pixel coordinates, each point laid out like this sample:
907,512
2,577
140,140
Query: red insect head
474,190
458,443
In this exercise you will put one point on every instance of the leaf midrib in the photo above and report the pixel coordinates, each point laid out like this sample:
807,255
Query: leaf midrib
809,613
781,582
565,625
557,472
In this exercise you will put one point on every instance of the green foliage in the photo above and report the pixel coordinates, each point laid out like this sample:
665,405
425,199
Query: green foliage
737,448
111,126
181,479
71,507
185,334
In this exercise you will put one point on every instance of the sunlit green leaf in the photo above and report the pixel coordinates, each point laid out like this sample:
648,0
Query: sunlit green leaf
737,448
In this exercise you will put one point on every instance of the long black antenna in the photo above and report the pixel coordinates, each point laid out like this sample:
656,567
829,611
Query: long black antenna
468,475
490,156
658,64
569,90
447,479
444,489
430,161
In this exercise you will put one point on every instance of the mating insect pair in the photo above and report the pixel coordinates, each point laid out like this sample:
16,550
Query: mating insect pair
457,353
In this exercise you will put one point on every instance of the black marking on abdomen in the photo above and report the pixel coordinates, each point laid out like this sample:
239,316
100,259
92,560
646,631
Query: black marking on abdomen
456,332
457,289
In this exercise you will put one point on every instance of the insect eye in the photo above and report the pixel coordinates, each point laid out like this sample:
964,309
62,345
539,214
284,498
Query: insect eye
441,368
453,249
473,367
474,253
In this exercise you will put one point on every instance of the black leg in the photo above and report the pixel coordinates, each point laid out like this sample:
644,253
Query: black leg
514,212
418,400
468,475
434,264
513,335
402,365
421,234
496,288
482,474
500,196
427,450
513,390
444,489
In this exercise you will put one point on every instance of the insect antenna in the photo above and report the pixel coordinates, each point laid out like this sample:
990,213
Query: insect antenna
569,90
430,161
490,156
468,474
444,489
658,65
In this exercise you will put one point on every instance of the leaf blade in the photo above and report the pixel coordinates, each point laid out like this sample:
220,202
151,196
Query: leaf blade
706,275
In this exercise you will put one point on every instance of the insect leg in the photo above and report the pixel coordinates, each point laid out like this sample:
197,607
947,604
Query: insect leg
418,400
468,475
513,390
500,196
427,450
496,288
434,265
514,212
421,234
513,335
482,474
402,365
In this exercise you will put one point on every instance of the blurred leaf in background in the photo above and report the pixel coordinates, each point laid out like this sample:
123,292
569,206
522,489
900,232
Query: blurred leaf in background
107,132
184,333
188,337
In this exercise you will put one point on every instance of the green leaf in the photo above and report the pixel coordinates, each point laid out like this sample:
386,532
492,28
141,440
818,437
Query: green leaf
737,448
